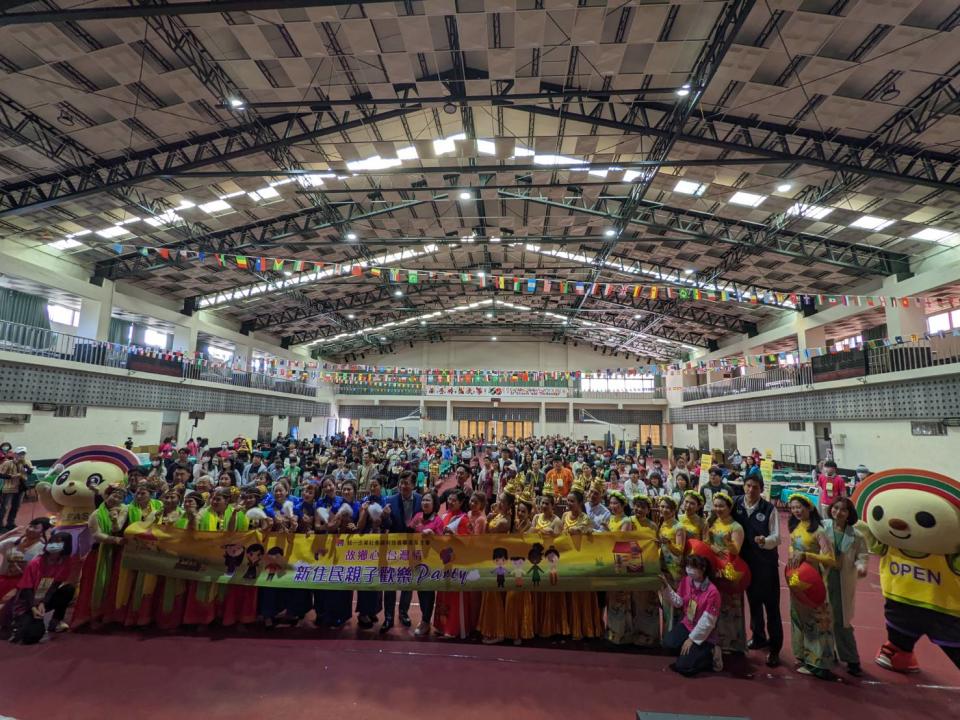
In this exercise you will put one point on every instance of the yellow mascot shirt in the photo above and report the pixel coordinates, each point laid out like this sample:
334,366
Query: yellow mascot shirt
929,582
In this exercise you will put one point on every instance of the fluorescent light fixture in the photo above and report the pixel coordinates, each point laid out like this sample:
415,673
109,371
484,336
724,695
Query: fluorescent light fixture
609,232
489,314
930,235
112,232
690,188
784,187
465,195
264,193
494,239
871,222
690,271
167,218
238,193
79,233
383,337
748,199
185,205
311,180
285,181
637,317
236,103
423,322
398,293
351,316
813,212
215,206
683,90
374,163
493,337
351,236
65,244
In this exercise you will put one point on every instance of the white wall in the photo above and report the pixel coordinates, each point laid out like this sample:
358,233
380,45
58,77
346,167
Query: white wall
881,445
218,427
46,436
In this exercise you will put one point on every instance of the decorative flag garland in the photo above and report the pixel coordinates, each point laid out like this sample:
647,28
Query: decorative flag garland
546,285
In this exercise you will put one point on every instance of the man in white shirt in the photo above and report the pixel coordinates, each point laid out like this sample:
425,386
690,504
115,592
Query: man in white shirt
595,509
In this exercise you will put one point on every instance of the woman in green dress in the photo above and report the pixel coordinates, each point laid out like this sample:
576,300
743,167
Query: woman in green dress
811,628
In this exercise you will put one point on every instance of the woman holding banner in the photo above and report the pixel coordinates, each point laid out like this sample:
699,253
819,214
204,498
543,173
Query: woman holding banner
203,599
583,611
456,612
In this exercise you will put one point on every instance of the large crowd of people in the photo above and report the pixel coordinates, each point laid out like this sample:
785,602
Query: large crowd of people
432,485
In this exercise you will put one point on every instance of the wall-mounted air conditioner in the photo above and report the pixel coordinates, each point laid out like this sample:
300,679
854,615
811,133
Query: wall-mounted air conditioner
137,427
13,419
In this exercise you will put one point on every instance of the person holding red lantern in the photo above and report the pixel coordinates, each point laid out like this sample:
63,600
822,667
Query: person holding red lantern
811,619
725,537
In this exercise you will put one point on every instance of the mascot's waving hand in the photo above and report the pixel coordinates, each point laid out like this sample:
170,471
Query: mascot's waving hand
911,518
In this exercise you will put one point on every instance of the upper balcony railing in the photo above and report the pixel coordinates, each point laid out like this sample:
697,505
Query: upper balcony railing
861,362
529,392
38,342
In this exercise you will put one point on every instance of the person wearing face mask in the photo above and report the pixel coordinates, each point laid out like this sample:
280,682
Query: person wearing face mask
17,551
861,474
831,486
695,636
47,584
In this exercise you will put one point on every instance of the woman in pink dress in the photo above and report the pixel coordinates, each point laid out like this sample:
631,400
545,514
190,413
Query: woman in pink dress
456,612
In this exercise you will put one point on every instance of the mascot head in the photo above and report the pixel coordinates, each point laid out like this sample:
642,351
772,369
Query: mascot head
916,511
79,476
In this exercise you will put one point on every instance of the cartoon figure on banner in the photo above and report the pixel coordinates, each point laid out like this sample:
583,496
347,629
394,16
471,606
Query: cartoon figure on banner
275,563
232,558
518,573
911,519
553,561
500,556
71,487
254,556
535,557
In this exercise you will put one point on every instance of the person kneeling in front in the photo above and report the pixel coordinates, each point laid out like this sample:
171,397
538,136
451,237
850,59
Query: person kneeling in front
695,635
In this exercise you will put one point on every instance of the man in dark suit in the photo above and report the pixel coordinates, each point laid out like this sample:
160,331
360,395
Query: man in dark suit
397,514
761,528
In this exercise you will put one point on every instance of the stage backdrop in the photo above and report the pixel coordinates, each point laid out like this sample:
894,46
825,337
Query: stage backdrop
607,561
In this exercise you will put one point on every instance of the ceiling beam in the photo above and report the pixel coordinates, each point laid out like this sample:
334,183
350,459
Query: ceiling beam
172,159
118,12
261,235
708,229
697,312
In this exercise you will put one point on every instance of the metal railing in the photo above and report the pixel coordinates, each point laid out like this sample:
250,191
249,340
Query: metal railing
38,342
879,361
657,393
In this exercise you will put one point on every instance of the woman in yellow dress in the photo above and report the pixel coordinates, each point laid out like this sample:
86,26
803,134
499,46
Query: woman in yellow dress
549,608
725,536
583,611
692,518
672,539
519,623
811,629
491,623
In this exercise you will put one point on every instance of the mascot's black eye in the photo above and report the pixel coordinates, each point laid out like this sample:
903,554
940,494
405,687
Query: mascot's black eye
877,513
925,519
62,477
94,480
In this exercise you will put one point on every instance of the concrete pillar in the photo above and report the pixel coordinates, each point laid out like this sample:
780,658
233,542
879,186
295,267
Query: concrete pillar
449,426
905,322
241,356
184,338
94,319
570,419
543,419
814,337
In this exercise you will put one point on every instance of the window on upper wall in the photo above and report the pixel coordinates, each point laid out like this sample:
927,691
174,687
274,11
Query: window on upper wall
798,426
943,322
925,428
155,338
219,354
849,342
63,315
619,383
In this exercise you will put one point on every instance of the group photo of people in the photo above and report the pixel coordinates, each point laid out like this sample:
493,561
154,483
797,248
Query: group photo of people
706,521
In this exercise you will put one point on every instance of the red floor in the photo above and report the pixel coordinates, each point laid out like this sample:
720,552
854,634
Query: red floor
357,674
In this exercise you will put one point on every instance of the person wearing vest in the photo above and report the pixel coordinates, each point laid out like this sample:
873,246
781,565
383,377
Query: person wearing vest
761,527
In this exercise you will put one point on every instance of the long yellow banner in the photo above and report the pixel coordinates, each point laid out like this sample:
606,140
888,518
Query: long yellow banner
606,561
